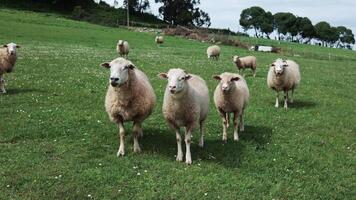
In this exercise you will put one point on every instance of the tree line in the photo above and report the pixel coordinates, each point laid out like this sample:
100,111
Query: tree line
294,28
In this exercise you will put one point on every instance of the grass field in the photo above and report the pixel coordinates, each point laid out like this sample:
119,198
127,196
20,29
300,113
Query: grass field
56,141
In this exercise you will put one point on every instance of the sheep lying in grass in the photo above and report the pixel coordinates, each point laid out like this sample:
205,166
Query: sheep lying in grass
283,75
185,104
8,57
231,96
159,39
213,52
130,97
245,62
123,48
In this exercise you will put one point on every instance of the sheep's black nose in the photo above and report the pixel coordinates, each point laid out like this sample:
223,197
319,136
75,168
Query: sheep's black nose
114,79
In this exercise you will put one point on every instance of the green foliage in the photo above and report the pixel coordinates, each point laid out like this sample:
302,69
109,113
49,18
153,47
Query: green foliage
137,5
57,142
253,18
183,12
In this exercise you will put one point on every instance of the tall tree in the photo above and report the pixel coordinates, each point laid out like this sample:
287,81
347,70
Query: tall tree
346,37
253,18
137,5
183,12
322,30
266,24
285,23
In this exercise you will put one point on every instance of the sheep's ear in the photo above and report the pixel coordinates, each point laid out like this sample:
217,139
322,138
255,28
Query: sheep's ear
187,77
235,78
5,45
105,64
130,66
217,77
285,64
163,75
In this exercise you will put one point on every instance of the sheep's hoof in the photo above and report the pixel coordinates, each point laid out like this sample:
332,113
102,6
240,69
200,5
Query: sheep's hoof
242,129
121,152
188,162
236,138
276,106
179,158
224,141
2,91
201,143
137,150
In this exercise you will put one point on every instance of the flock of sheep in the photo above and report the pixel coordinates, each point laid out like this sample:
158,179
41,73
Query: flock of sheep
130,96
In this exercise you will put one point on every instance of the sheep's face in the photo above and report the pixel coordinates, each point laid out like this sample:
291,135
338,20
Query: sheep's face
227,82
120,43
235,58
119,71
279,66
176,80
11,48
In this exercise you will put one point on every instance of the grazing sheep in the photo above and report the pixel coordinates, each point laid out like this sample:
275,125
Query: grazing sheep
283,75
245,62
8,59
159,39
123,48
231,96
130,97
185,104
213,52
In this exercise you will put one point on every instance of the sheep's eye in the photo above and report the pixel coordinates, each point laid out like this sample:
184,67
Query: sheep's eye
273,65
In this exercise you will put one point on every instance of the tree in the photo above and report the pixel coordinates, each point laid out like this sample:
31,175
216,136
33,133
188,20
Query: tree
266,24
346,37
183,12
322,30
285,23
137,5
306,29
254,18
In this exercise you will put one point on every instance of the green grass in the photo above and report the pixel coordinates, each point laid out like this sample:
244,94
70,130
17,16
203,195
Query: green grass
56,141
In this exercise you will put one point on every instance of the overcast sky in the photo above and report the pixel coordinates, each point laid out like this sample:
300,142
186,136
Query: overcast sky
226,13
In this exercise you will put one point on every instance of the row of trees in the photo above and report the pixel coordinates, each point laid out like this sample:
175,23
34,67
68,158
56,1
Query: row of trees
294,28
174,12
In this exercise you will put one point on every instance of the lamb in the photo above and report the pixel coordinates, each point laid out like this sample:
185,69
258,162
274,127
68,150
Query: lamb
130,97
185,104
283,75
245,62
159,39
123,48
213,52
231,96
8,57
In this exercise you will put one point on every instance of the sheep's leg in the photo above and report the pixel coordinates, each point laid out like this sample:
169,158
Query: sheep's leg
236,136
285,99
291,96
201,141
243,72
277,102
137,131
254,72
121,151
2,85
225,123
179,146
242,127
188,136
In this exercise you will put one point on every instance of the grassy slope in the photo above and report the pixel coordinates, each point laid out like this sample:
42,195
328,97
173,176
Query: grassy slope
57,143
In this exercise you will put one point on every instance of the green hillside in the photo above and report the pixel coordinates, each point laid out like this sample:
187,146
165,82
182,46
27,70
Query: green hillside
56,141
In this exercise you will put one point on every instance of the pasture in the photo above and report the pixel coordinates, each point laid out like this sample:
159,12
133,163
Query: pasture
56,141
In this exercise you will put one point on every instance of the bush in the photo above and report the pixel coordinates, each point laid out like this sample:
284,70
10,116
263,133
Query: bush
78,12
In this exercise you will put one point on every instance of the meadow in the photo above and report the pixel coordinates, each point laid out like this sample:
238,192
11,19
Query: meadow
56,141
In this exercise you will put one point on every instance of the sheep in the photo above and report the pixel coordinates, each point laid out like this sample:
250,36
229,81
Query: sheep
231,96
283,75
245,62
213,52
8,57
130,97
123,48
185,104
159,39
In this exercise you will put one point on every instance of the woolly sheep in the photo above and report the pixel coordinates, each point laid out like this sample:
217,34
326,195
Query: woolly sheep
283,75
159,39
185,104
231,96
8,57
123,48
245,62
130,97
213,52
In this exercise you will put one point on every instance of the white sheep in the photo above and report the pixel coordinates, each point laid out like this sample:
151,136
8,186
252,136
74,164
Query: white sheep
245,62
213,52
231,96
283,75
123,48
8,57
130,97
185,104
159,39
